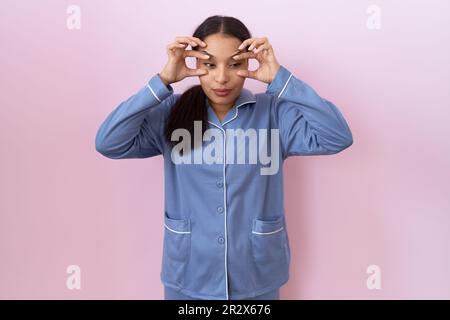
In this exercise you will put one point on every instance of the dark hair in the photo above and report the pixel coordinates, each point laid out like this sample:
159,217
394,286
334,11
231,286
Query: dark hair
191,105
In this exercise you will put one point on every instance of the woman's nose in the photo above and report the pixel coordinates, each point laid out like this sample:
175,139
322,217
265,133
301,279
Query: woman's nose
222,75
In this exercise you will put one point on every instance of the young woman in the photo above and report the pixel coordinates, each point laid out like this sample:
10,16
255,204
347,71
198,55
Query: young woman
225,235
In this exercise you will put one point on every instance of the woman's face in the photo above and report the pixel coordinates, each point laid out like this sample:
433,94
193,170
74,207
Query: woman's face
222,69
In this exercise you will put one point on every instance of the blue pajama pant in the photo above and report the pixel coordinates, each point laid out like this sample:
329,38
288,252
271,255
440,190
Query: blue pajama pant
172,294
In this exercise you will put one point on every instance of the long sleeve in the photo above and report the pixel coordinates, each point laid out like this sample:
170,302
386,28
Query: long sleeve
133,129
309,124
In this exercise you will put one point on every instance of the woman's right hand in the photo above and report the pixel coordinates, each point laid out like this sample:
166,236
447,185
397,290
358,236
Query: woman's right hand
176,68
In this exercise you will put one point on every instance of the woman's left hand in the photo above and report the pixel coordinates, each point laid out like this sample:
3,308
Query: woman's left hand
268,64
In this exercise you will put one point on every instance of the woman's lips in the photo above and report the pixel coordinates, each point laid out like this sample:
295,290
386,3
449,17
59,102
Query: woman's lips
222,93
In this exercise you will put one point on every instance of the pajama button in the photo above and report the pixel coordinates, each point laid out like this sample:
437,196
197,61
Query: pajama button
220,209
221,240
219,184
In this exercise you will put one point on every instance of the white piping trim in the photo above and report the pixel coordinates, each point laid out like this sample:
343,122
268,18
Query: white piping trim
284,87
148,86
225,188
237,111
225,204
181,232
264,233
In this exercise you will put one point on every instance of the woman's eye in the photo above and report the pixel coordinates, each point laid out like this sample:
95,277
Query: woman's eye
210,65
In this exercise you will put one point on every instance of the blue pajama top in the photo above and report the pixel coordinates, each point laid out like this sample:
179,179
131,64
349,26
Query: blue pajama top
225,235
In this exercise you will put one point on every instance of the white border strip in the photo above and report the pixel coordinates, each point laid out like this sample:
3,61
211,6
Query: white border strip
237,111
148,86
272,232
284,87
225,187
225,203
181,232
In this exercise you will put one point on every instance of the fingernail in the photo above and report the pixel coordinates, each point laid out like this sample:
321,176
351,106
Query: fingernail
206,56
236,57
204,44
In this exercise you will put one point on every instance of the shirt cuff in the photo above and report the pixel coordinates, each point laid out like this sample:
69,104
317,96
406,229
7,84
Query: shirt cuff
158,89
279,82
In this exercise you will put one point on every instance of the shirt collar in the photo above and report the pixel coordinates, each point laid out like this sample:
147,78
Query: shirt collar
244,99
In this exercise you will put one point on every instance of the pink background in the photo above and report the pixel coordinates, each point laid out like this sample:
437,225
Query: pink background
385,201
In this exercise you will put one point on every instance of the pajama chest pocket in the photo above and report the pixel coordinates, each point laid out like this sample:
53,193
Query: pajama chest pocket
176,249
269,241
